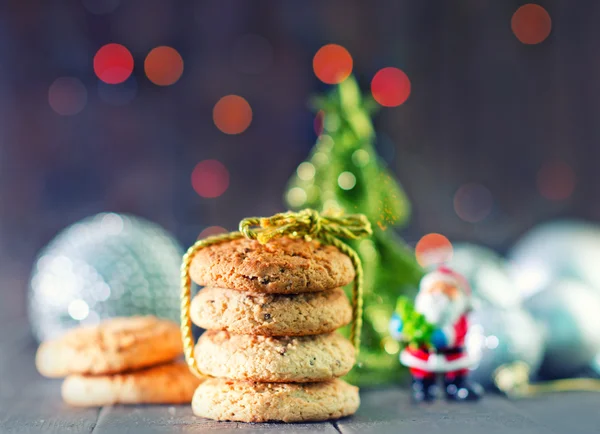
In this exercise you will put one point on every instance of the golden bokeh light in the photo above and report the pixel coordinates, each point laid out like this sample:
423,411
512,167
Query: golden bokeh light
306,171
346,180
360,158
296,197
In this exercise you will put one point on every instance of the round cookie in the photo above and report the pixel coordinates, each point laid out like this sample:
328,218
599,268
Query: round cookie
246,401
172,383
281,266
274,359
253,313
113,346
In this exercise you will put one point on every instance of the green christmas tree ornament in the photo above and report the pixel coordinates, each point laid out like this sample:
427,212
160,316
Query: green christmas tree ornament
417,331
343,172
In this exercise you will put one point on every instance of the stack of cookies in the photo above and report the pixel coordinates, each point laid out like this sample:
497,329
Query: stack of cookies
120,361
271,312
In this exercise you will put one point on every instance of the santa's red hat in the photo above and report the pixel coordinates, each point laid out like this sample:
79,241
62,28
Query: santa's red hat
445,274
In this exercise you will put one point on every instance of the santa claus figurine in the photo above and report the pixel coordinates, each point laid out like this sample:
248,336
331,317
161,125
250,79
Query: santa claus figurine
444,299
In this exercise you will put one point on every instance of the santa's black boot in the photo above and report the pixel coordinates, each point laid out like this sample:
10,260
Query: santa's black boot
424,389
459,388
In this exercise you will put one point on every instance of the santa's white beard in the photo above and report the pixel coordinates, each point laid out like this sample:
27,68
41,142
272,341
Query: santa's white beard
438,309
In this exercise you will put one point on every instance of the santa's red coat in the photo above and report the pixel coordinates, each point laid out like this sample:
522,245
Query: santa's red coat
453,357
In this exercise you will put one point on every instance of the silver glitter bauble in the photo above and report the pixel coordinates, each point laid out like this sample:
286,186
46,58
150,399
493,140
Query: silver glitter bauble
554,251
497,337
104,266
487,275
570,312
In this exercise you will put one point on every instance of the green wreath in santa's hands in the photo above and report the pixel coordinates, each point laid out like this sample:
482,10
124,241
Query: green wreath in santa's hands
416,330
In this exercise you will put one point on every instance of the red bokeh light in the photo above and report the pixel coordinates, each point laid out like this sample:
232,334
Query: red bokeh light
113,63
163,66
531,24
390,87
473,202
212,230
433,249
332,64
319,122
210,178
232,114
556,180
67,96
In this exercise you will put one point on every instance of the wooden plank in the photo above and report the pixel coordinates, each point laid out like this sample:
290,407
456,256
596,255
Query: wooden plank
30,403
573,412
159,419
17,362
50,415
390,411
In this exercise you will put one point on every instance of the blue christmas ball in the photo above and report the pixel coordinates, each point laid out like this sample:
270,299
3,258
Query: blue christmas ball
569,311
487,275
566,249
554,267
497,337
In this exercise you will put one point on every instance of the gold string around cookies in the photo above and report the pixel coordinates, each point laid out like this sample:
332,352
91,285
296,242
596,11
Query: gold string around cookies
307,224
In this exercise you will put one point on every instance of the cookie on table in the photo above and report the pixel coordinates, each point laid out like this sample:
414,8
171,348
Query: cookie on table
274,359
253,313
281,266
246,401
115,345
171,383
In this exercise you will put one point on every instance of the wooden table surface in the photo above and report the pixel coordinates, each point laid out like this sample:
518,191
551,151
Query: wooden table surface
32,404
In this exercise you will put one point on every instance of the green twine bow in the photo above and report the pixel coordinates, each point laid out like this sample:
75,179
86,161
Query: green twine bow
307,223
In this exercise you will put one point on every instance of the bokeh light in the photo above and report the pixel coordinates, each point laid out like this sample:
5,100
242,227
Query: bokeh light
101,7
531,24
78,309
319,122
433,249
296,197
360,158
212,230
332,64
473,202
306,171
232,114
346,180
252,54
163,66
118,94
67,96
113,63
556,180
210,178
390,87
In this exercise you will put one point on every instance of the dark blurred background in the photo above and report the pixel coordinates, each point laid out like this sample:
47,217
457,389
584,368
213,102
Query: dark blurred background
496,136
